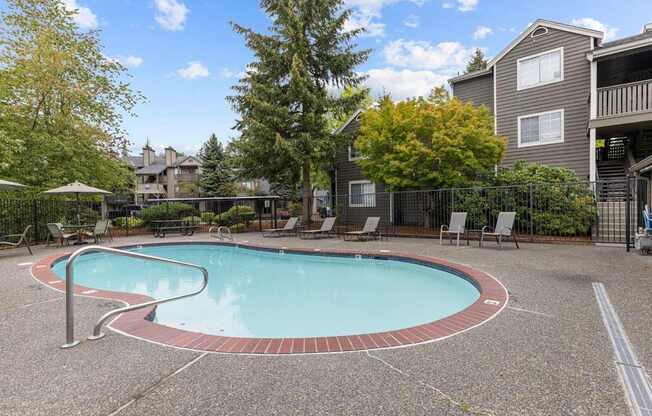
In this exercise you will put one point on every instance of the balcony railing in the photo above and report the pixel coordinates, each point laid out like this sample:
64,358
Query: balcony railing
150,188
625,99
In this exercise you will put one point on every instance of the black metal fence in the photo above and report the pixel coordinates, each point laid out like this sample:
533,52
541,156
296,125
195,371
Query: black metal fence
601,212
580,211
17,214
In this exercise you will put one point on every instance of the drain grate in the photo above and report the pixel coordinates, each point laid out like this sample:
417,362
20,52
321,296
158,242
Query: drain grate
633,375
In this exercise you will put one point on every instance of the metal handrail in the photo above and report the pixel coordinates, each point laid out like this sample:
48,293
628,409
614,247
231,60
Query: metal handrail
220,233
70,335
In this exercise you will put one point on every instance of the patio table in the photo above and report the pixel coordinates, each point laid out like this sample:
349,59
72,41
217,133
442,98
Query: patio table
79,230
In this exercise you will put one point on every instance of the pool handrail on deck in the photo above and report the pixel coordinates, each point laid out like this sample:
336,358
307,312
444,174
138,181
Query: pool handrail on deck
97,334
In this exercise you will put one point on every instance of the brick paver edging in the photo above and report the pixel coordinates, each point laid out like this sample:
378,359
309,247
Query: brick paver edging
493,298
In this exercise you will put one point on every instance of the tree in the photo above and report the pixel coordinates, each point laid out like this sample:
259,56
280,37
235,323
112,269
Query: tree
477,62
283,99
427,143
216,178
61,99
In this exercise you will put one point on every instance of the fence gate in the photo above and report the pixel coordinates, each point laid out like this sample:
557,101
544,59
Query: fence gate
619,205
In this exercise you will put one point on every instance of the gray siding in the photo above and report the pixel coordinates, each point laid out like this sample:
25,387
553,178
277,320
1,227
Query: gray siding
479,90
347,171
571,94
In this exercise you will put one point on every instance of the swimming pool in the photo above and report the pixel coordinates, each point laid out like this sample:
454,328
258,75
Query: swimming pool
260,294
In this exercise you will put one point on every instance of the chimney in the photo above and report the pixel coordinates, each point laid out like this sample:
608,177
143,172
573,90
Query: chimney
149,155
170,156
647,28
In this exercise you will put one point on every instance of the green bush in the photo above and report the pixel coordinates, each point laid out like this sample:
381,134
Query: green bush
238,228
130,222
295,209
170,211
207,217
192,219
238,214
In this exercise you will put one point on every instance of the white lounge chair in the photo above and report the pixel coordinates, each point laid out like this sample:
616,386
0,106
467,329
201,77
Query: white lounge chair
289,228
102,229
23,239
56,233
454,228
370,230
504,228
325,230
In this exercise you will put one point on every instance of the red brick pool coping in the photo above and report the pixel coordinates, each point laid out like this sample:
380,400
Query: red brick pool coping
493,298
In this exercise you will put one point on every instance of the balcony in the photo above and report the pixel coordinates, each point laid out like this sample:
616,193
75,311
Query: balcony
150,188
625,99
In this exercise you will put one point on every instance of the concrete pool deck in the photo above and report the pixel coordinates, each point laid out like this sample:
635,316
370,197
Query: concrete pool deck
547,353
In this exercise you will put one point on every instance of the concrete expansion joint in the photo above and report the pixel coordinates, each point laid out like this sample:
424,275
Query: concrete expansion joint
153,387
459,405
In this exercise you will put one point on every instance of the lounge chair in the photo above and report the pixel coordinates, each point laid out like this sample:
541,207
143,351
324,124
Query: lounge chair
57,234
289,228
504,227
370,230
102,229
326,230
455,228
22,239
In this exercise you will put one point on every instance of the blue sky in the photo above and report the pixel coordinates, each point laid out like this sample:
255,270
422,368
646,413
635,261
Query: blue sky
184,56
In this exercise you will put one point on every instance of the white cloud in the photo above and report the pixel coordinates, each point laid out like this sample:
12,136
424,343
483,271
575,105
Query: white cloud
447,5
195,69
402,84
171,14
467,5
412,21
424,55
610,32
367,13
83,16
482,32
131,61
229,73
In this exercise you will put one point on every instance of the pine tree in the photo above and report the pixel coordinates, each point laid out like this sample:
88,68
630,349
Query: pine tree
477,62
284,98
216,178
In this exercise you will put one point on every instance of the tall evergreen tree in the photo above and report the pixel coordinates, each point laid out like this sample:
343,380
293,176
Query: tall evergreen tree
216,178
283,99
477,62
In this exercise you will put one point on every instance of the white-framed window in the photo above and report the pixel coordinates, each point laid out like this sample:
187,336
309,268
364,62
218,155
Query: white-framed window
353,153
362,194
542,128
540,69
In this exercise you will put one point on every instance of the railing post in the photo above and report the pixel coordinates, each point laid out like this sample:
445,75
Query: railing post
531,209
627,213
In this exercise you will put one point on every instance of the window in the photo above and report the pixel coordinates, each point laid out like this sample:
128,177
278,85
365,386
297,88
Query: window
542,128
541,69
540,31
353,153
362,194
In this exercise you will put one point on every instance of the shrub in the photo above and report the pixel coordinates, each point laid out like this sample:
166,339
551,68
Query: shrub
192,219
238,228
170,211
130,222
239,214
295,209
207,217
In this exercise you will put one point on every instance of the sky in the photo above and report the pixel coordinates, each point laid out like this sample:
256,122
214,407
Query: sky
184,56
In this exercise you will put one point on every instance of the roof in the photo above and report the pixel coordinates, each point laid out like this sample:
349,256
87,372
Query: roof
641,40
537,23
629,39
473,74
151,169
641,165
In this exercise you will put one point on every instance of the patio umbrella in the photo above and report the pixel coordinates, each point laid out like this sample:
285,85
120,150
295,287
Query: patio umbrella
6,185
77,188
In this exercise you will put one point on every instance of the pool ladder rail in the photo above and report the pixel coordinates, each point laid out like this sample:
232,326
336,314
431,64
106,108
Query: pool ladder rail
221,233
97,330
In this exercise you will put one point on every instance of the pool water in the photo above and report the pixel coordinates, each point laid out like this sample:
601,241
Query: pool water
253,293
